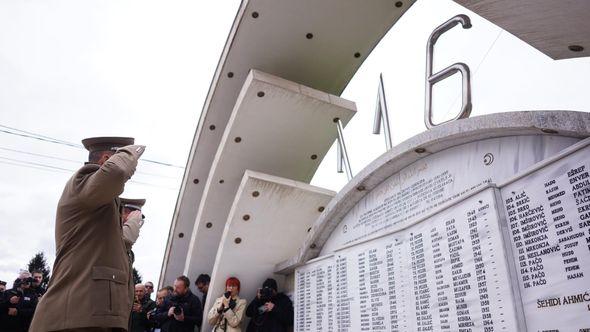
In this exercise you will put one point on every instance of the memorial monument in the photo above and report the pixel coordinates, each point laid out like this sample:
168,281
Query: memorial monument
476,224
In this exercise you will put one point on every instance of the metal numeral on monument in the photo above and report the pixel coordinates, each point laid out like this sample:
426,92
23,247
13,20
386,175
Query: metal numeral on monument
342,154
382,115
432,79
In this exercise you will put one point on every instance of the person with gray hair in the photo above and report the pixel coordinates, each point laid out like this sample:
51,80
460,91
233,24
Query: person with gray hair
142,305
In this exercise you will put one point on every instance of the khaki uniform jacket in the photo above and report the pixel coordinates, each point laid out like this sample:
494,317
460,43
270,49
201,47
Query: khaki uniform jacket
91,282
233,317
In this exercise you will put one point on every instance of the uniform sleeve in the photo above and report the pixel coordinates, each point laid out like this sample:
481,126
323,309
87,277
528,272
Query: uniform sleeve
234,318
131,230
108,182
213,315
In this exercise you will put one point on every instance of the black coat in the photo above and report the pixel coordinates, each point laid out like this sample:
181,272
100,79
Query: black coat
139,321
159,319
280,319
25,310
40,290
193,313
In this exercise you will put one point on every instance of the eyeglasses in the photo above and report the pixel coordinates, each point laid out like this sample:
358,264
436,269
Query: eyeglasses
149,286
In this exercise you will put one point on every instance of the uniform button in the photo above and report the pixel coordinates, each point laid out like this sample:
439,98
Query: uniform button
113,276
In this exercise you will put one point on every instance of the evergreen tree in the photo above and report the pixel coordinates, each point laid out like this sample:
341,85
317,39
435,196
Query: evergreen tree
39,263
136,277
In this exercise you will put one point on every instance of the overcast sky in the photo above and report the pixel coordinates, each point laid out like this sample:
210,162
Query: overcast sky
74,69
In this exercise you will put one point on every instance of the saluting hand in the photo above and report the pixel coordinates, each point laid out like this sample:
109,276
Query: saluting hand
134,215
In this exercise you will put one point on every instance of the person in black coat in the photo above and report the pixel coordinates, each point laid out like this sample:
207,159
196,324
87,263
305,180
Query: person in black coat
18,306
37,285
158,317
183,310
141,307
270,311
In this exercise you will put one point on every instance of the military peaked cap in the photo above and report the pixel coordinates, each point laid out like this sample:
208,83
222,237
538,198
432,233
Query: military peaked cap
136,204
106,143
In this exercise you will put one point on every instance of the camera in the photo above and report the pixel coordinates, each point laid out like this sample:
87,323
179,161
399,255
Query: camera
176,304
177,310
151,313
265,294
232,302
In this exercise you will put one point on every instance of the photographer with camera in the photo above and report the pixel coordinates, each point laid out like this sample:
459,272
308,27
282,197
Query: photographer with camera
270,311
183,310
18,306
228,310
142,305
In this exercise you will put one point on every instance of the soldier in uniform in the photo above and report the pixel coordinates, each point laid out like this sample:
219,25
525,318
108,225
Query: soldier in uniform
131,219
90,286
131,222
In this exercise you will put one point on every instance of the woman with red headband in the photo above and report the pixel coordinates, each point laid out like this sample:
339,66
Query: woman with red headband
228,310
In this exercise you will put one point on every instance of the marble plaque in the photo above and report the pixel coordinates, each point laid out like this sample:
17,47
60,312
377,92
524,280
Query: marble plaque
548,213
438,180
446,273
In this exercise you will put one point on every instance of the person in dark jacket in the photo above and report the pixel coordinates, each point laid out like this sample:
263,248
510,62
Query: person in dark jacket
18,306
158,317
202,284
270,311
183,308
37,285
141,306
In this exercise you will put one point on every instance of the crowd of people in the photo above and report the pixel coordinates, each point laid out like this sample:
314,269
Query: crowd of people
175,308
178,309
17,304
91,288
